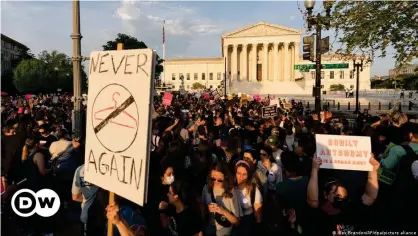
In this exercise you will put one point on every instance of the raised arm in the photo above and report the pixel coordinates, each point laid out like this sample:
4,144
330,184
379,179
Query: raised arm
372,186
313,183
173,125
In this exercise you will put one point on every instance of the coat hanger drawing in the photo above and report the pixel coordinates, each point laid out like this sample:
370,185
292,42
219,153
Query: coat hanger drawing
123,112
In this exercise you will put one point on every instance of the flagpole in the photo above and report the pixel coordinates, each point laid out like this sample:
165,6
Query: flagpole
164,53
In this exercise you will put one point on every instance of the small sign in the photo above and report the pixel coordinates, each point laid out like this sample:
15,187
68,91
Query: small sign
55,99
270,111
118,121
344,152
168,97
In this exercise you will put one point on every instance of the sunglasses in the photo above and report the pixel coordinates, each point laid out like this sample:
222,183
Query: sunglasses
217,180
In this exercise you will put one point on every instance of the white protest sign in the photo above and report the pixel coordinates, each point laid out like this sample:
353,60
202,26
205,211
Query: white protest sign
274,102
344,152
118,121
55,99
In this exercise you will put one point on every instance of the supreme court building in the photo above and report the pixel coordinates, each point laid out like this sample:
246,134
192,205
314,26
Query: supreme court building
262,59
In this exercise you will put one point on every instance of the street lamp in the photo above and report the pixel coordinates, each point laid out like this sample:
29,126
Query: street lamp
358,66
76,59
318,22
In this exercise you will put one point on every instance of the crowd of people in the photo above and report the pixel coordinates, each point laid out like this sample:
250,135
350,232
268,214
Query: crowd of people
217,168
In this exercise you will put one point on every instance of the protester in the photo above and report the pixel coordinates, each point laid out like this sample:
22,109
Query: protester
219,168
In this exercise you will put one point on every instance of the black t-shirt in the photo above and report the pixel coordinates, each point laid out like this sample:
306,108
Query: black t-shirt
186,223
354,218
11,149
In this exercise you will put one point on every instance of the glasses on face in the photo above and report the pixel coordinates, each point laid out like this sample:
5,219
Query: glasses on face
216,180
263,154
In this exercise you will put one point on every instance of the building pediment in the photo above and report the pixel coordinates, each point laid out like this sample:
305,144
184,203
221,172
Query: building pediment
262,29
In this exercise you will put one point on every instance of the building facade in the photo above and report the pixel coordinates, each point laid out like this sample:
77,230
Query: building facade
10,50
262,59
406,69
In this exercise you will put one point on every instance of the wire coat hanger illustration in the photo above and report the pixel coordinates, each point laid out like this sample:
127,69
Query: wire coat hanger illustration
123,112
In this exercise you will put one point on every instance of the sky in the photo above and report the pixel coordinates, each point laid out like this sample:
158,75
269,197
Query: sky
192,29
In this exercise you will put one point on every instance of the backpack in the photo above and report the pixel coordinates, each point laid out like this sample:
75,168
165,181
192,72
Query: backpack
403,169
405,181
220,219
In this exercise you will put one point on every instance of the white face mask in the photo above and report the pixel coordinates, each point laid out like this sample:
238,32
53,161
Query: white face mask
169,179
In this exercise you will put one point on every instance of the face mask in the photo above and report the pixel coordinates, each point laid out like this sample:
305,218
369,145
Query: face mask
169,179
339,203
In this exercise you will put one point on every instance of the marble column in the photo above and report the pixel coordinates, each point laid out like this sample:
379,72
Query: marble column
265,61
275,61
281,63
244,70
234,61
254,63
296,61
292,61
286,62
226,55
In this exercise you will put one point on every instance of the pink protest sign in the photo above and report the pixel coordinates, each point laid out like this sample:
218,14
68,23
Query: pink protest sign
28,96
206,95
257,97
168,97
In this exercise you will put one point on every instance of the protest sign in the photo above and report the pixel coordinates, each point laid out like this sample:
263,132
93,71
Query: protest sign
257,98
55,99
206,95
118,121
268,112
167,98
344,152
274,102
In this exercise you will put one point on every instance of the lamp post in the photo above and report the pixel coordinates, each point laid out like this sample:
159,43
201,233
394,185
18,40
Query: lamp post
318,22
76,58
225,77
358,66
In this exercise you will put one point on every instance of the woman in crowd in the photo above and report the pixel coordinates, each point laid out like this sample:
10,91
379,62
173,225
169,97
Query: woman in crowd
336,211
186,219
250,199
268,167
221,200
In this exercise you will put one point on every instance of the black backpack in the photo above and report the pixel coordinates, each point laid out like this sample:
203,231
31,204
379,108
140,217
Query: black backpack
405,183
220,219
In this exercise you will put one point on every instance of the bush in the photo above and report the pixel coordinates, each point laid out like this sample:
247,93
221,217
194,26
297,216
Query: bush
337,87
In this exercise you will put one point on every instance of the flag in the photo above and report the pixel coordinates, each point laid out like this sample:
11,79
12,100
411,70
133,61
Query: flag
163,33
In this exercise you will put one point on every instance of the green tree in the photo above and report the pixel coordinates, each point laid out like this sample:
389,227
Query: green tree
337,87
33,76
130,42
7,75
61,67
197,86
372,26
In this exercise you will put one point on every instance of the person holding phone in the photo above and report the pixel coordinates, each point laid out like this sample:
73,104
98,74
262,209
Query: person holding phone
221,199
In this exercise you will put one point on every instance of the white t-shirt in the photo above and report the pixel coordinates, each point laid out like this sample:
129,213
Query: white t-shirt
244,197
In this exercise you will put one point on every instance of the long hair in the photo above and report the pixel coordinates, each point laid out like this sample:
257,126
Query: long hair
228,183
250,183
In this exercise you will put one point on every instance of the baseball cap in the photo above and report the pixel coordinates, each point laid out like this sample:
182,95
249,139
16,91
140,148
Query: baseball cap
272,141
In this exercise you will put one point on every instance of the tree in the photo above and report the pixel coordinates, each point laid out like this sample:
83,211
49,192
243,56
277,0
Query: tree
197,86
32,76
372,26
7,75
130,42
337,87
51,71
61,67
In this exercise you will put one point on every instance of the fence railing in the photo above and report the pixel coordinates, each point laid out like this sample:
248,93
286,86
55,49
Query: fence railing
333,105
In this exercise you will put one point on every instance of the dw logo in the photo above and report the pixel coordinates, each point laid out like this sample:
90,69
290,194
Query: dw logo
26,202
